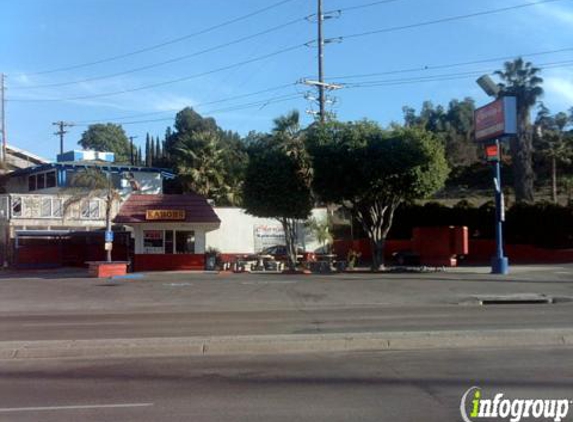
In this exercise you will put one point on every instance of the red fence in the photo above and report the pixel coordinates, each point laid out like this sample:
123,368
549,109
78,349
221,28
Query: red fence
71,250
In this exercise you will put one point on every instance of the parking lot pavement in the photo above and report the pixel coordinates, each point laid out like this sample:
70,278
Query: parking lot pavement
61,292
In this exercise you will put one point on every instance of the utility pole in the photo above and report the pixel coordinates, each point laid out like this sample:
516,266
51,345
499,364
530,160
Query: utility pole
62,125
322,86
3,118
320,18
131,160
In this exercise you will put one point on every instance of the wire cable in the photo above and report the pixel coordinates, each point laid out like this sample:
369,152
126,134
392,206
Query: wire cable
260,104
450,65
165,62
222,100
169,82
168,42
444,20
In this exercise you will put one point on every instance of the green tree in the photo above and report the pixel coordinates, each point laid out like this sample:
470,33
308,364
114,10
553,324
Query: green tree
521,79
555,142
200,164
274,188
107,137
371,171
147,150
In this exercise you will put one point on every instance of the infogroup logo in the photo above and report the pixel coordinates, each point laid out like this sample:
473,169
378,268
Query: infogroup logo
475,406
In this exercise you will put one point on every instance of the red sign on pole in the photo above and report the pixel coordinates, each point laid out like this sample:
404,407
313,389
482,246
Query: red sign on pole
492,152
496,119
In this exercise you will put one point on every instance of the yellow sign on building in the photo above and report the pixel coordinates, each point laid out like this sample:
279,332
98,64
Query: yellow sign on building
176,215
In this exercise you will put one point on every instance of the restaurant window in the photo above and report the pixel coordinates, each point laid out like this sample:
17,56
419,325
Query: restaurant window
41,181
153,241
32,182
46,207
90,209
168,241
184,241
51,179
57,208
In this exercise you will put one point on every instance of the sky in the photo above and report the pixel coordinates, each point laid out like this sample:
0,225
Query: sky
138,62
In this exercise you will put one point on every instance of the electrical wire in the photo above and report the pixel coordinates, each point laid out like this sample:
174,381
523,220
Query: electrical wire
450,65
444,20
165,62
168,42
447,76
257,104
221,100
168,82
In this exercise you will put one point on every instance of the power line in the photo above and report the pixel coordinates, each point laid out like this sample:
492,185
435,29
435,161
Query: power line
363,6
442,77
168,42
451,65
350,36
444,20
169,82
221,100
260,104
169,61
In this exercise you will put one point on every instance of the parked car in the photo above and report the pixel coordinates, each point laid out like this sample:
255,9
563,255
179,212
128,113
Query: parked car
279,253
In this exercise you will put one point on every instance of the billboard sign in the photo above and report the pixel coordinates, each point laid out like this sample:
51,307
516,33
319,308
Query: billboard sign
495,120
267,235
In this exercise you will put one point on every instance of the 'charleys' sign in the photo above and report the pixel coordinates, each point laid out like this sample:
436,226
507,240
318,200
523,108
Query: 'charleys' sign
496,119
176,215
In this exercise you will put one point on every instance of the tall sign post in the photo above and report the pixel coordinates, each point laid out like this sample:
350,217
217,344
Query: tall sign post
495,122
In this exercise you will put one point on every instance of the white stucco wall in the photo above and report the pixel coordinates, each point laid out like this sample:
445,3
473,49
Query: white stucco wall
236,235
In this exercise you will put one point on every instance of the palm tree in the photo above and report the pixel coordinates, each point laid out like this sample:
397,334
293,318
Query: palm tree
289,137
551,131
200,164
322,232
94,182
521,79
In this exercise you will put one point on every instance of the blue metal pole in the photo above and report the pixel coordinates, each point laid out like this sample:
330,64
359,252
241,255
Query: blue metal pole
499,263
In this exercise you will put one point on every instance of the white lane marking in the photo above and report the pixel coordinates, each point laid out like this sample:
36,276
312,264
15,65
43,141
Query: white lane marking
79,407
70,324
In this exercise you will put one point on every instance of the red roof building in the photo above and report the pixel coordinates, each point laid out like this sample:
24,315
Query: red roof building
169,230
196,209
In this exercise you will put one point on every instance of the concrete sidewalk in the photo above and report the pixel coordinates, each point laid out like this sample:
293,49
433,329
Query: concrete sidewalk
284,344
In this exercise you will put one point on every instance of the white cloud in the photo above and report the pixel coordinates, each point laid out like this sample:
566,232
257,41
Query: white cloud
559,92
556,13
170,102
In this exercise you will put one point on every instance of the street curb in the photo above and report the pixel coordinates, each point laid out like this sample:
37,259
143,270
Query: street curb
283,344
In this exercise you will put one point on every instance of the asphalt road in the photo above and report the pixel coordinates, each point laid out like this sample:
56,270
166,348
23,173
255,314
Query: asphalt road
100,325
377,387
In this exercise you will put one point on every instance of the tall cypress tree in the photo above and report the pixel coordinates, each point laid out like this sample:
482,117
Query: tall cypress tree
152,151
147,150
139,157
157,154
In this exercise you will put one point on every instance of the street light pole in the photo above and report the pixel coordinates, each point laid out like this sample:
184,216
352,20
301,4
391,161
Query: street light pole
492,122
499,263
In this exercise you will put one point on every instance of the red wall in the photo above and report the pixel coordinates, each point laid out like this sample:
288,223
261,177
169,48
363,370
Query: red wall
171,262
73,251
480,251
